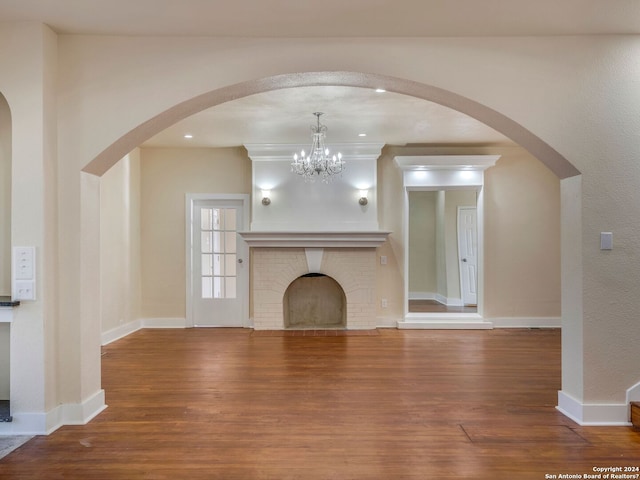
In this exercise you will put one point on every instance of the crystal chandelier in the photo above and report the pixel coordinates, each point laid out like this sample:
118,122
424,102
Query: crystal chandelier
318,162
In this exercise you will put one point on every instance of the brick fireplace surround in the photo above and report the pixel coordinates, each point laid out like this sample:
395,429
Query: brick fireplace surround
280,258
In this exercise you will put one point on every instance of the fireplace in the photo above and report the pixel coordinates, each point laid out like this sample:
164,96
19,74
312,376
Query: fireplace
280,258
314,300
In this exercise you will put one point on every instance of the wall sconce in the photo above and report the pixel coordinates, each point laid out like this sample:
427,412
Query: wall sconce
363,197
266,200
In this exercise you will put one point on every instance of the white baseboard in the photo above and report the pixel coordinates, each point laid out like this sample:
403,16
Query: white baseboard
6,314
527,322
76,413
386,322
441,299
422,296
451,302
25,424
593,414
455,302
633,393
474,321
122,331
446,321
446,325
48,422
168,322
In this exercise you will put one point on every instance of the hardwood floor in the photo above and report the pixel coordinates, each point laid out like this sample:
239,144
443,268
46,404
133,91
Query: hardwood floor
235,404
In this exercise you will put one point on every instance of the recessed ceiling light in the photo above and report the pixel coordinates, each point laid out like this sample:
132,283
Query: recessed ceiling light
188,135
380,90
362,134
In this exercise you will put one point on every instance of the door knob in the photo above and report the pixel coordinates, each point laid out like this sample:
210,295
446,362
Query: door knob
240,260
464,259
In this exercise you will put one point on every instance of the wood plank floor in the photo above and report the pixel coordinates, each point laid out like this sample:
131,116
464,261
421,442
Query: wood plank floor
230,404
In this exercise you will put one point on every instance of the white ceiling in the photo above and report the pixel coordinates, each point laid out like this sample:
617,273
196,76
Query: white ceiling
284,116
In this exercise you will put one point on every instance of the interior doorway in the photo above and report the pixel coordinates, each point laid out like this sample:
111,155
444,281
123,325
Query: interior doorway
468,255
218,261
451,179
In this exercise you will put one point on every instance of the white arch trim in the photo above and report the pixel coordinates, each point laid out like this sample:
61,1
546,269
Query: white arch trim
516,132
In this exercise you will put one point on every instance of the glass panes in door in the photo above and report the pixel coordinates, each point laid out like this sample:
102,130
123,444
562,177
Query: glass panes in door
218,256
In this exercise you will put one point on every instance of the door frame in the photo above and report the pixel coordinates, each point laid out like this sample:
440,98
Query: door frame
243,287
461,317
459,240
439,172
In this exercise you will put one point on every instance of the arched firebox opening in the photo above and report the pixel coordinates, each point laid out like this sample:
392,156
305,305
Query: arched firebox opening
314,301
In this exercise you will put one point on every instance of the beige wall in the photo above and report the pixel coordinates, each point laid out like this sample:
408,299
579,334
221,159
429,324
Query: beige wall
5,197
120,243
422,242
390,277
28,54
522,233
167,175
522,238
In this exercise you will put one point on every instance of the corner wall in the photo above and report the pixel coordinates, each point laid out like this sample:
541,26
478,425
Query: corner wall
167,175
5,197
522,234
120,280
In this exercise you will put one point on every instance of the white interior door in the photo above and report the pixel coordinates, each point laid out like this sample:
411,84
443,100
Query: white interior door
468,254
219,264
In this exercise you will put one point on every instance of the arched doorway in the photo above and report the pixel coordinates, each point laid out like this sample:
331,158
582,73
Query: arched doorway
533,144
516,132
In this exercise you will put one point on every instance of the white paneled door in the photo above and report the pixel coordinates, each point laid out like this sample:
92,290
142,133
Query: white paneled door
218,263
468,254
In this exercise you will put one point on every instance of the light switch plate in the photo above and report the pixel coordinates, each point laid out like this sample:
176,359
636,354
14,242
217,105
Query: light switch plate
24,273
606,241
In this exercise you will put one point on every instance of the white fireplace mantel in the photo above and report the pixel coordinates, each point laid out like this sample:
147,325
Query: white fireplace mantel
355,239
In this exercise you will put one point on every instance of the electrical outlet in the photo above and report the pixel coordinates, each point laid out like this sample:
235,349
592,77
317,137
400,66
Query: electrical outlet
24,290
384,303
383,259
